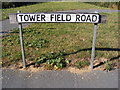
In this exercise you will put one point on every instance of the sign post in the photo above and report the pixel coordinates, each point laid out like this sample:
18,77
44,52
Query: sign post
61,17
93,45
22,43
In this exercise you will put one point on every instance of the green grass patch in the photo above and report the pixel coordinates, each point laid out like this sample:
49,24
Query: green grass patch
108,66
81,64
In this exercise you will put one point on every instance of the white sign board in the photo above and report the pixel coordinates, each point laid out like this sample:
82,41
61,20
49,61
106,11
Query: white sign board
57,17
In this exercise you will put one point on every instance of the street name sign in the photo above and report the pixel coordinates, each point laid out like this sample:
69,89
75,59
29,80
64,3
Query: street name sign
60,17
42,17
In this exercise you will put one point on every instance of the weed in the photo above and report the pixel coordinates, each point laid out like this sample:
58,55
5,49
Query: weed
49,66
39,43
52,60
81,64
40,60
108,66
54,55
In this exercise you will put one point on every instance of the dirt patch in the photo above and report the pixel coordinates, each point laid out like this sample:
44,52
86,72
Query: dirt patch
98,65
33,69
78,71
30,67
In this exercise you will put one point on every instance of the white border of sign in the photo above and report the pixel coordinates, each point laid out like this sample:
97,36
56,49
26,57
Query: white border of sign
58,17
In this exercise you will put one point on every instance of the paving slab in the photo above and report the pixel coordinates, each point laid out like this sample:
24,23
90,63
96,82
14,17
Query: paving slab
59,79
98,79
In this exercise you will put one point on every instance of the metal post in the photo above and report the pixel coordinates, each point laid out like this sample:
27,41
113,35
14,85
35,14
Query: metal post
22,43
93,45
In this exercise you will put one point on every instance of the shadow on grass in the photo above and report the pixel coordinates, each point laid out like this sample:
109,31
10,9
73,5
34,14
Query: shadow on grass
97,49
115,58
87,49
101,63
30,64
5,34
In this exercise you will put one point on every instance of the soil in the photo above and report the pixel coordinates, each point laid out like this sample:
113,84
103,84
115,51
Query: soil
98,65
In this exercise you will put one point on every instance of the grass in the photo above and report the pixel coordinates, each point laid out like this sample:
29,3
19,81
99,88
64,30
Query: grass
81,64
48,7
108,66
112,5
74,40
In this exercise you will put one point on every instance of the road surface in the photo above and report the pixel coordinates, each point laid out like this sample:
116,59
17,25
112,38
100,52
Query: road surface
59,79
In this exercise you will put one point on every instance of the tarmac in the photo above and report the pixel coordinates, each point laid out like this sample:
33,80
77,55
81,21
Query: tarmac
59,79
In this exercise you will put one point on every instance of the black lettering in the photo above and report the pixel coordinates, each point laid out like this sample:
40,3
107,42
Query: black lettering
62,18
68,17
38,17
32,17
83,18
88,18
26,18
94,18
43,17
21,17
52,16
58,17
77,17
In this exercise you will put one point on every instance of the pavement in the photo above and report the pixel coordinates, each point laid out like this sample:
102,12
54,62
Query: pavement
59,79
56,79
7,27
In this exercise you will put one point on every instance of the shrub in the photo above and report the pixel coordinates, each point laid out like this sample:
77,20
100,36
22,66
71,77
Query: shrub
7,4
